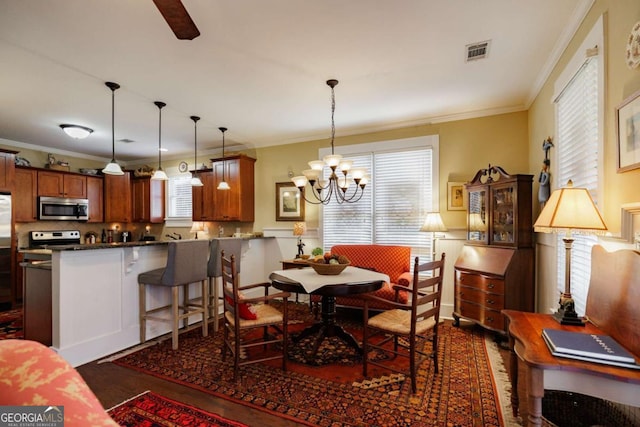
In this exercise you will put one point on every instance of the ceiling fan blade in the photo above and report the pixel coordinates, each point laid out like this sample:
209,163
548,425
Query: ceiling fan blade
178,19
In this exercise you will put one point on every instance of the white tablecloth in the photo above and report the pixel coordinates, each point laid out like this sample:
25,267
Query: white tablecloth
312,281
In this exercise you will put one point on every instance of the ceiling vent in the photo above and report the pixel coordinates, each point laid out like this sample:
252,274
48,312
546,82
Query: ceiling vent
477,51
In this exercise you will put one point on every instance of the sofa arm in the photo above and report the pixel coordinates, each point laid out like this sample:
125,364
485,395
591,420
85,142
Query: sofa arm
405,279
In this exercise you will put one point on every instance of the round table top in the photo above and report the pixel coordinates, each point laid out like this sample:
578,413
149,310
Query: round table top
343,289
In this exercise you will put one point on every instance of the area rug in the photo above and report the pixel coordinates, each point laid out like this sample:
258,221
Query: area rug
11,324
463,393
150,409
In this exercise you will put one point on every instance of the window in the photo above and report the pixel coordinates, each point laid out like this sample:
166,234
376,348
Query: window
578,142
179,197
403,189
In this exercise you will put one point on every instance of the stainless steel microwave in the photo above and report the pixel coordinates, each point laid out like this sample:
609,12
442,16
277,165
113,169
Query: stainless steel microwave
59,208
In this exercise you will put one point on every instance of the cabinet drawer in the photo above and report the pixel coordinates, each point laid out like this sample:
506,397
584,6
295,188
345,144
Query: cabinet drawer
489,300
490,318
485,283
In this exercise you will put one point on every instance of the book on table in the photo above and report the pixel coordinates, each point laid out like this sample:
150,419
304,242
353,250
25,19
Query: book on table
589,347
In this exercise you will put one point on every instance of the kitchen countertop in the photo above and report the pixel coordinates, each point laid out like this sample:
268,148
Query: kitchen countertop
83,247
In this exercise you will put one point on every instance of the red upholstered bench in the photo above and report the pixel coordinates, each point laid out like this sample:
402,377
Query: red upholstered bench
394,261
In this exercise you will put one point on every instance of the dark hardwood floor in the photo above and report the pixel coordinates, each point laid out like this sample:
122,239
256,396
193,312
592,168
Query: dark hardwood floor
114,384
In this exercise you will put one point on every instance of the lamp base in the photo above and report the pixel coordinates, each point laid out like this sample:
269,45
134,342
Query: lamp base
566,314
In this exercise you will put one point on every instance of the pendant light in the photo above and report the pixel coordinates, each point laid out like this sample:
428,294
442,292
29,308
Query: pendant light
159,174
195,181
113,168
223,184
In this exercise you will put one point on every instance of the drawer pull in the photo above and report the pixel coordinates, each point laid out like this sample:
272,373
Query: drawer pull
489,319
490,301
491,286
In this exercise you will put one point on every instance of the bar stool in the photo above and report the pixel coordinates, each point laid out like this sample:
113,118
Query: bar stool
186,264
214,270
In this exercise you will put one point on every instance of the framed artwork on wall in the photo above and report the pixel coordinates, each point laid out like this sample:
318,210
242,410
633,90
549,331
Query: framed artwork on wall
628,133
456,196
289,202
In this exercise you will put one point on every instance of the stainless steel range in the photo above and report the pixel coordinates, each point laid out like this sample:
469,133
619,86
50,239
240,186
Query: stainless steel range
46,239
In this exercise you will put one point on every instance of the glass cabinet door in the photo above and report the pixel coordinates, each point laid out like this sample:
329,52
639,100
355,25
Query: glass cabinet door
477,219
503,215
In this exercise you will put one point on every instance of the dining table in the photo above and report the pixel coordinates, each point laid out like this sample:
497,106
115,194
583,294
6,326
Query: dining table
351,281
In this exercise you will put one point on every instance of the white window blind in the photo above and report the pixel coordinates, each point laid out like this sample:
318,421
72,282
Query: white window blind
394,205
179,196
577,151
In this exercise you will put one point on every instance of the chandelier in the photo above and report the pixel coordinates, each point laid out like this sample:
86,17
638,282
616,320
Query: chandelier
338,183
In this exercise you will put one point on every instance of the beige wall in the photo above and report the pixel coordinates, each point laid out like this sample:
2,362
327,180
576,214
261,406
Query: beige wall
465,147
620,82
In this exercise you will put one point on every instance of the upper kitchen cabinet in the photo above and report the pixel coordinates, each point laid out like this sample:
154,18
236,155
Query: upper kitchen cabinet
148,200
202,197
61,184
117,198
96,201
26,185
7,169
500,209
237,203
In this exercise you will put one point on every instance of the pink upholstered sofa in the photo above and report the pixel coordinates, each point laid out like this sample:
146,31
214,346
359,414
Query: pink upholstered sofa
394,261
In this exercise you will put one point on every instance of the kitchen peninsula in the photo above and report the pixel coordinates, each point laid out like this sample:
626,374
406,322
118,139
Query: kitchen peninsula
94,293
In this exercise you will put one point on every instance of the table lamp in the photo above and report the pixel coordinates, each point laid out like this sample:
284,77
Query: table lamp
299,228
197,226
433,223
569,210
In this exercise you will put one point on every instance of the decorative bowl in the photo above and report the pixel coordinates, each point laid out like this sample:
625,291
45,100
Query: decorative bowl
89,171
328,269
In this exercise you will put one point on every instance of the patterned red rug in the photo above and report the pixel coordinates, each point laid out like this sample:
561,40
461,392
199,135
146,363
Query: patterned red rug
11,324
463,393
150,409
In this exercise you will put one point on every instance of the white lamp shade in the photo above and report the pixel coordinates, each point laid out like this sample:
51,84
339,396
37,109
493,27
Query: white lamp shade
316,165
195,182
332,159
159,175
112,168
433,222
223,186
299,228
299,181
476,223
570,209
197,226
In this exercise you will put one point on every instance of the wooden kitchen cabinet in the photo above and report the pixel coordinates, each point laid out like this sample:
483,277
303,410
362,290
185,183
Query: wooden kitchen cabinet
61,184
95,196
148,200
237,203
117,198
7,170
202,197
495,269
25,207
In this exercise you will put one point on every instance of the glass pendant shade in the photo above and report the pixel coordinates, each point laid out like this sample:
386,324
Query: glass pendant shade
223,186
113,168
195,181
159,175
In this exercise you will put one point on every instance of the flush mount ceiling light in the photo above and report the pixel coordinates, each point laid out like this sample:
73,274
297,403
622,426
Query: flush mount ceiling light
159,174
337,186
76,131
223,184
195,181
113,168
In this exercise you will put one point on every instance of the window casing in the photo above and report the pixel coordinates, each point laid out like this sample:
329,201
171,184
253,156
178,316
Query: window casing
179,208
402,190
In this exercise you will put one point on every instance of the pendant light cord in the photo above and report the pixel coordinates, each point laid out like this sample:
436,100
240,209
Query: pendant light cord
224,163
160,105
195,144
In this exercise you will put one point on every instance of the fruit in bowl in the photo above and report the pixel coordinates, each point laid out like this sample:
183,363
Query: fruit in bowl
329,264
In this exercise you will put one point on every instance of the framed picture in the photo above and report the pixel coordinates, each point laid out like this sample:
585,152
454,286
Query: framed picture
628,133
289,202
456,196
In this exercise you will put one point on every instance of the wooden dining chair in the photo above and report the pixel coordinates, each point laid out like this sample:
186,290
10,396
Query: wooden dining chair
241,321
408,327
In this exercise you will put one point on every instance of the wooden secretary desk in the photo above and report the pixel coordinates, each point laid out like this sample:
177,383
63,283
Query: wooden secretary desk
495,269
